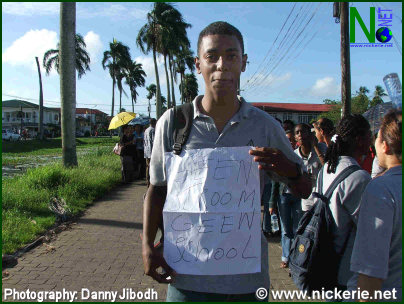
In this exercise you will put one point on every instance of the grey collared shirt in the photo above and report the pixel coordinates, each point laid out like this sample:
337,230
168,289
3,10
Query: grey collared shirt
348,194
248,127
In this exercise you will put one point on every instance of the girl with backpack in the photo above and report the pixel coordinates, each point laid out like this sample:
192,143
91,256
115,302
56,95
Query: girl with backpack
377,253
351,141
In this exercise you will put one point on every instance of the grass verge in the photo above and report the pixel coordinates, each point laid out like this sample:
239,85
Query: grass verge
25,199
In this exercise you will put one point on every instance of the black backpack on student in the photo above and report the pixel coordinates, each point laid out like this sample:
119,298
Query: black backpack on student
313,261
183,116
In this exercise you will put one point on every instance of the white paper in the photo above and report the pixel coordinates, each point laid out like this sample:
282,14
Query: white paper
212,212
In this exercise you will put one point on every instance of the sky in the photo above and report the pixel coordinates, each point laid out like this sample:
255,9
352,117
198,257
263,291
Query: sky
293,49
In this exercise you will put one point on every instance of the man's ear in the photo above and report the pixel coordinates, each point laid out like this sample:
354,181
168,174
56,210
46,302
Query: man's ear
197,65
386,149
244,62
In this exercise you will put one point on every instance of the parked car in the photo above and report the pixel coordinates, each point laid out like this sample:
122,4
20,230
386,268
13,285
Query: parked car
9,135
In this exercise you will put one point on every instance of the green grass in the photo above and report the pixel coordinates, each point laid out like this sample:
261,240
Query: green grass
25,198
22,152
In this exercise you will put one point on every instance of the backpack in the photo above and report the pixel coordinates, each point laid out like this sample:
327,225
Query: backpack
183,116
313,261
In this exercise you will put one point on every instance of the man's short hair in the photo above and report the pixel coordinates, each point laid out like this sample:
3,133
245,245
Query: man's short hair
304,126
221,28
152,121
289,122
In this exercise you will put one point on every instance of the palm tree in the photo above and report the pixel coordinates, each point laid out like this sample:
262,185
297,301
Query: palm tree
67,60
189,87
378,94
174,35
362,91
164,25
185,59
115,59
151,89
51,58
135,77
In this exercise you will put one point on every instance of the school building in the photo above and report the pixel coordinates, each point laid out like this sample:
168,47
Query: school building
297,112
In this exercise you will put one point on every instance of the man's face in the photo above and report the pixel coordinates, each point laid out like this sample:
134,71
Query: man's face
220,62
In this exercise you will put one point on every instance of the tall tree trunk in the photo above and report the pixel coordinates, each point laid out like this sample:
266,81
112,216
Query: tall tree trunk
149,108
168,83
67,67
40,127
170,60
120,101
182,89
159,108
113,97
133,104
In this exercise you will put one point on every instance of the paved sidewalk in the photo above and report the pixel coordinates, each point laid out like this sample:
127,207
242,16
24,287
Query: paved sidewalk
102,251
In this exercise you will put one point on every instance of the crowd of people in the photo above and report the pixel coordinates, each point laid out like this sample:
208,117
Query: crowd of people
295,161
136,143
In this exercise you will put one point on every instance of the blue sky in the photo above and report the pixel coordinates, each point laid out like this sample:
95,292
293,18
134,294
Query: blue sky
308,72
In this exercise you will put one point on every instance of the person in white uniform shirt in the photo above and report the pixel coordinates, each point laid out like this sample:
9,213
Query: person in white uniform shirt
377,253
351,141
148,146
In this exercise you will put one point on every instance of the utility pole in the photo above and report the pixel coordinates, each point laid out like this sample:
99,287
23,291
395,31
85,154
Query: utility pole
40,127
345,60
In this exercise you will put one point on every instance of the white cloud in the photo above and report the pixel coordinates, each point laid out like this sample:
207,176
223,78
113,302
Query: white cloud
94,45
33,44
325,87
31,8
148,67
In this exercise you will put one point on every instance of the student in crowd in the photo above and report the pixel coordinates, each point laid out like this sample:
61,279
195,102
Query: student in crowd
312,153
288,125
324,129
290,134
350,142
377,252
221,119
148,146
140,166
128,154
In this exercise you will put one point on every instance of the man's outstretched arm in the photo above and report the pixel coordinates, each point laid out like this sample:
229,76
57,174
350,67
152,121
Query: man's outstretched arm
152,216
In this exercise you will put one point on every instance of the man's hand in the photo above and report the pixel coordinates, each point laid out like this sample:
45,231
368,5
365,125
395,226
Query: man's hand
152,260
272,159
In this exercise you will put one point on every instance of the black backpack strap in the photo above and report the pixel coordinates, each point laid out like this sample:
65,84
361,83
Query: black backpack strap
339,178
183,117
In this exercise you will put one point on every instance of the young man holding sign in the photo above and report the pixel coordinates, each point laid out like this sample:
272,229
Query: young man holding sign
211,206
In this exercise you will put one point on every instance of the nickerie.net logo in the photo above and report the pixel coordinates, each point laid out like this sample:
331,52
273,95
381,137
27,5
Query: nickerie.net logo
383,34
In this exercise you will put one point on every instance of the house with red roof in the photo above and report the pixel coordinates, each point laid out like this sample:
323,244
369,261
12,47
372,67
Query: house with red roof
297,112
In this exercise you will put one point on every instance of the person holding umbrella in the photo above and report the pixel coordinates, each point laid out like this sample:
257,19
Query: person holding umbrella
127,144
128,154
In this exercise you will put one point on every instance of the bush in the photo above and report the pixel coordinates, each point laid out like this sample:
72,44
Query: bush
87,134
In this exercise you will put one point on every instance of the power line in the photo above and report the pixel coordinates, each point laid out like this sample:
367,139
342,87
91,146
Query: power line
276,52
270,49
291,45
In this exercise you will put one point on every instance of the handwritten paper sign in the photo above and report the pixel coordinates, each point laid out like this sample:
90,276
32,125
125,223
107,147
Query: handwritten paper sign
212,212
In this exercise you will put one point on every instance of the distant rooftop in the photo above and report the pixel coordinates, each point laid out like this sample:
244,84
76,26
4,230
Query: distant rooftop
292,107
